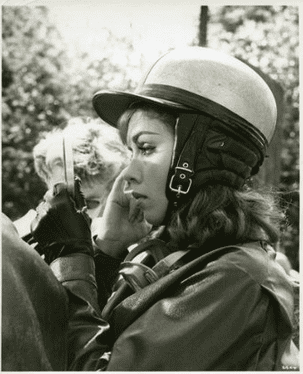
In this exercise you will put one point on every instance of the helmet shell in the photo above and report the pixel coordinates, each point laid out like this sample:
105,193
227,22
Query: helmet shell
201,79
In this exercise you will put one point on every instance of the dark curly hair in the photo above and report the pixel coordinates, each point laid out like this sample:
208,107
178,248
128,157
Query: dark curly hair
220,215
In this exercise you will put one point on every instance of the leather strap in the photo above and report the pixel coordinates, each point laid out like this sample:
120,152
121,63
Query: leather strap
138,275
184,169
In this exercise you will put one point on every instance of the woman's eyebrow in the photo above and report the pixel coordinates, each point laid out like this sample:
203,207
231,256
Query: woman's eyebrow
135,137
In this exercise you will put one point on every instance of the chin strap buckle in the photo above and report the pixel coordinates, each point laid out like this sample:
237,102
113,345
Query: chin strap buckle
181,179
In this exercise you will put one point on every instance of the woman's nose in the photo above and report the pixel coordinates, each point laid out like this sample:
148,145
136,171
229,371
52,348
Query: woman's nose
133,172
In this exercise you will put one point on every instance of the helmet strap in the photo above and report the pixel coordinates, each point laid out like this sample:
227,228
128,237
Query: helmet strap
183,168
208,151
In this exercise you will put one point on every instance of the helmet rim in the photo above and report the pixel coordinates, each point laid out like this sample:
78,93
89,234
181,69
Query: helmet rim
216,80
105,100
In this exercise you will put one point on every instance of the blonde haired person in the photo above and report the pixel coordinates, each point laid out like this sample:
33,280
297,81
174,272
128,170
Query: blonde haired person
98,157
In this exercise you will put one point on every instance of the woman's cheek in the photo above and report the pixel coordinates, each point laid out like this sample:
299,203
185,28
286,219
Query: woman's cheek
156,212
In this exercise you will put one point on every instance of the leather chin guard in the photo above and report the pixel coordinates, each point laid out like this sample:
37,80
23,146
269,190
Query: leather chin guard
208,151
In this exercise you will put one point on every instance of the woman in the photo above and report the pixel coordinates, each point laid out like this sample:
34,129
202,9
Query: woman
206,293
98,157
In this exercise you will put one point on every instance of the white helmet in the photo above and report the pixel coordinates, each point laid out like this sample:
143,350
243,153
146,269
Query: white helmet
210,84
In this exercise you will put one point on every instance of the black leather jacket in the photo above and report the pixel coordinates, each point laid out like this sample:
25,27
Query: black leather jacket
34,309
230,309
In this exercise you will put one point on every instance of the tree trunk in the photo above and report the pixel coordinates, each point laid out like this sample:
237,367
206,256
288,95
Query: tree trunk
203,26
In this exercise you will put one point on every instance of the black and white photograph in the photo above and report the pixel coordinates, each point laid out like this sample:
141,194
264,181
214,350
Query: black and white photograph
150,186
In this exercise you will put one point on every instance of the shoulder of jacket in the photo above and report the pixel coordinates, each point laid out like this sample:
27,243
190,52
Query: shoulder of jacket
249,258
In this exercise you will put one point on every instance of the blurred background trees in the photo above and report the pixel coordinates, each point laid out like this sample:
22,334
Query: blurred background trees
33,100
43,86
266,37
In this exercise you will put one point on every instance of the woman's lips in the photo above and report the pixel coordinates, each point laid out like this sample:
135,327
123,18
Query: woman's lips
138,196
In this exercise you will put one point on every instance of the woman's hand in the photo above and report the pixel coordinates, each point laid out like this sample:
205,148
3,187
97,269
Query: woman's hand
123,222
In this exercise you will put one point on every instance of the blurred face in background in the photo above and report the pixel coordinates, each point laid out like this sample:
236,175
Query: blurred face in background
95,197
95,191
98,157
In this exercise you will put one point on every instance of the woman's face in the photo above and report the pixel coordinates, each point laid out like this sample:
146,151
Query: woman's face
151,142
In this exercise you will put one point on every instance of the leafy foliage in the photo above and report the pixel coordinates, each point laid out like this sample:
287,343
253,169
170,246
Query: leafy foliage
32,95
267,38
44,86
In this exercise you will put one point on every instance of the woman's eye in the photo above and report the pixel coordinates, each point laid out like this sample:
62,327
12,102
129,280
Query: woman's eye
92,204
146,149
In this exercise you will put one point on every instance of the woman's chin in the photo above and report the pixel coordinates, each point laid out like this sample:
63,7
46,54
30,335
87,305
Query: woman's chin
154,220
